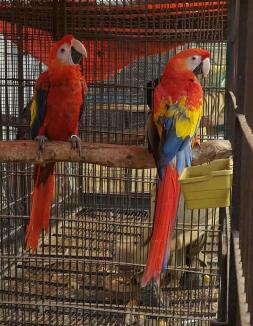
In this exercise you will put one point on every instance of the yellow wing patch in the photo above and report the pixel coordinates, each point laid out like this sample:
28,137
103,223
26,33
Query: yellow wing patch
187,127
34,110
185,119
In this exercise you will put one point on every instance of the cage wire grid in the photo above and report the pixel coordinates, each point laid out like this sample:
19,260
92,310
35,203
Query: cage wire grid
87,268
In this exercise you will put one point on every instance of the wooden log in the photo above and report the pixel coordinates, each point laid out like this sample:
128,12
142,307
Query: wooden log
110,155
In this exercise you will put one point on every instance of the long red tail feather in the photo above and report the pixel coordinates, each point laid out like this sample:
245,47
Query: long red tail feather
41,204
165,216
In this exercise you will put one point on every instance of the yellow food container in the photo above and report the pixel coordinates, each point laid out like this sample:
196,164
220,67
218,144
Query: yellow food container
207,185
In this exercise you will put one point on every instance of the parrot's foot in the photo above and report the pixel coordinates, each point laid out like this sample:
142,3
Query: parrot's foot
41,142
76,143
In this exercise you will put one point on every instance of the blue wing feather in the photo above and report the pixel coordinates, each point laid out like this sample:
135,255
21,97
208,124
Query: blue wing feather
83,106
174,146
184,158
171,144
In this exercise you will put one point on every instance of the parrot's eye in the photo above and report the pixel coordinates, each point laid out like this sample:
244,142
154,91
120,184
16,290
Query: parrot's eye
62,50
194,58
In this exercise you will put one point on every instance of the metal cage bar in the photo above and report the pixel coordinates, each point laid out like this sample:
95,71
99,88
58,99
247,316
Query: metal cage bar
87,268
240,117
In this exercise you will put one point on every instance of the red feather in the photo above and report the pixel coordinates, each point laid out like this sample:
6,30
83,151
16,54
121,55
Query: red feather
41,203
165,216
178,82
63,107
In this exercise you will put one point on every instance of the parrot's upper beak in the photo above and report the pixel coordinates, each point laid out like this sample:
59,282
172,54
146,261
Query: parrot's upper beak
77,51
206,66
203,67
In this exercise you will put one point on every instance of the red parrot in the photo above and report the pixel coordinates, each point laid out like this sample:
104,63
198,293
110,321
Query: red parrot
172,125
56,107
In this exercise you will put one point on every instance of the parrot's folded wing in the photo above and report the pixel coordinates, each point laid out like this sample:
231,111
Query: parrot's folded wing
38,105
84,93
150,87
153,138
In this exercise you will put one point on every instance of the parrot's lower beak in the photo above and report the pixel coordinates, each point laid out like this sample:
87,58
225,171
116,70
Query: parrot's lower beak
203,68
78,51
198,70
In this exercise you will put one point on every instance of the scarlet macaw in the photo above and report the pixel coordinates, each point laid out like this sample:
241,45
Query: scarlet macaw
171,127
55,110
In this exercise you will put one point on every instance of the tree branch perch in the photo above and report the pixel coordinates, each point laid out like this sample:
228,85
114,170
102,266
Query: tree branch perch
110,155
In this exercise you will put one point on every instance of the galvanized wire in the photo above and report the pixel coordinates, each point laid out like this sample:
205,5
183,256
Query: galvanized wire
87,268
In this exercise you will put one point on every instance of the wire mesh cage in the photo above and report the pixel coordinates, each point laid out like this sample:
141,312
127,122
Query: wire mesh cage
87,268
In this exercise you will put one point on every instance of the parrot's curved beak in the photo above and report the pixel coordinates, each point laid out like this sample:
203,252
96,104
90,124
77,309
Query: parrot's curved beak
203,67
77,51
206,66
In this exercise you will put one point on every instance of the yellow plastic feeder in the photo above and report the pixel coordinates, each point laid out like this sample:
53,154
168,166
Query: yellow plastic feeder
207,185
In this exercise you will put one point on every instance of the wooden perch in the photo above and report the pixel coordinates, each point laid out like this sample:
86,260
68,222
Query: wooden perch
111,155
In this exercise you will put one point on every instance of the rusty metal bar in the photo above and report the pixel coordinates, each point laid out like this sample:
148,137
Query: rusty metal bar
241,289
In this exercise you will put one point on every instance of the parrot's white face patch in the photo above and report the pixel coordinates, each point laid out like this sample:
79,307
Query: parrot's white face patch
193,62
71,54
64,54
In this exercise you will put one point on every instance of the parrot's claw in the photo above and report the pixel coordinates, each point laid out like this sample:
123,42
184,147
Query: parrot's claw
76,143
41,142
